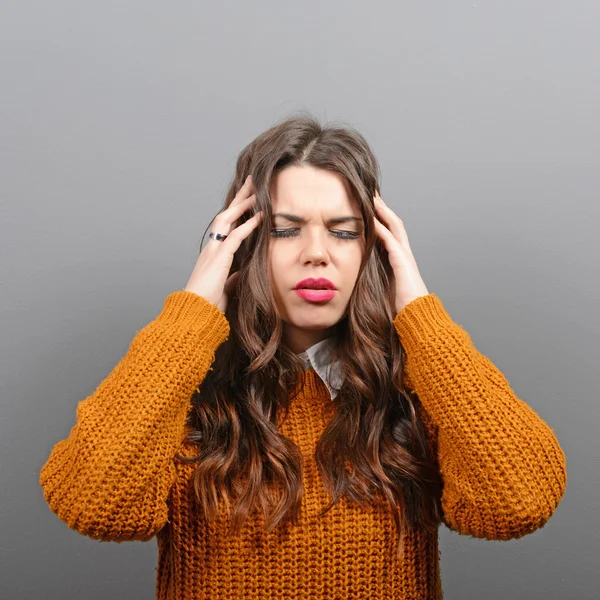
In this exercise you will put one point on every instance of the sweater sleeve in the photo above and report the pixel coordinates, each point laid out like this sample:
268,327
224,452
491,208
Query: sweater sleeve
110,478
503,470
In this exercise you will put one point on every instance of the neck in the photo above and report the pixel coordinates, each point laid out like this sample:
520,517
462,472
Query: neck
299,340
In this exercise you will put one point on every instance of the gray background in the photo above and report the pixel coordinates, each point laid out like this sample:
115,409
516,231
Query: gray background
121,122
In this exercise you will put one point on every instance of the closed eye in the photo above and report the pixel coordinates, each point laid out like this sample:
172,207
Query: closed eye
343,235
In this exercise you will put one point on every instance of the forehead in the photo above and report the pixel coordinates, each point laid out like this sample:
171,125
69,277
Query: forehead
307,190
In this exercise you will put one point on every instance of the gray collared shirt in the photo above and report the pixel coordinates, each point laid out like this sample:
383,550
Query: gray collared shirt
318,357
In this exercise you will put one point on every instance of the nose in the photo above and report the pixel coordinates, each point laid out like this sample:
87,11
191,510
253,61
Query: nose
315,248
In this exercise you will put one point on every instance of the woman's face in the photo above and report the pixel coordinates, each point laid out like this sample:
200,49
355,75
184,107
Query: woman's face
314,248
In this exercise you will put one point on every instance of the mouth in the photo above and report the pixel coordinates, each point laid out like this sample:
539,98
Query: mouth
315,295
315,284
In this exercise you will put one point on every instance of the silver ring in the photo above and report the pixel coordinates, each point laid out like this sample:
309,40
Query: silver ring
217,236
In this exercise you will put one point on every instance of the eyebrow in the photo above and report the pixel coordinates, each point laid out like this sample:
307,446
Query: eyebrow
335,220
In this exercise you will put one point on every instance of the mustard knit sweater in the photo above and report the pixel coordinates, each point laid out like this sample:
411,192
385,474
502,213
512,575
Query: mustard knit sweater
115,477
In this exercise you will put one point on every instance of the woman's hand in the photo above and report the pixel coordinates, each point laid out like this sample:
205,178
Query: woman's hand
209,277
408,284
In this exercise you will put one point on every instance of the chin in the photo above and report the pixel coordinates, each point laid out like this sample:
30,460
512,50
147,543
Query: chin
313,326
311,321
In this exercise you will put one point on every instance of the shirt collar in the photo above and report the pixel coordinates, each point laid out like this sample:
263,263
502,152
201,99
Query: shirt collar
318,357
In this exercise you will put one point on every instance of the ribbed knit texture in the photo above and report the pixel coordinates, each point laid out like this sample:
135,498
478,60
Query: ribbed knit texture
115,477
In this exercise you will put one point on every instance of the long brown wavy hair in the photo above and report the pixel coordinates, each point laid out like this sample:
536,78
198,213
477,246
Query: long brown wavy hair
375,448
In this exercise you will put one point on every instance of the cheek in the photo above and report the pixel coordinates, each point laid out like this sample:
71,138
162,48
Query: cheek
277,270
279,259
351,262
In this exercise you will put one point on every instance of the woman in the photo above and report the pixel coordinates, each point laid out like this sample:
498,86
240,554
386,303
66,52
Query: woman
300,418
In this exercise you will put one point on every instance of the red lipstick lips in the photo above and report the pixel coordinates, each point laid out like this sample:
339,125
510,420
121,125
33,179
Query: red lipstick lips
315,290
315,284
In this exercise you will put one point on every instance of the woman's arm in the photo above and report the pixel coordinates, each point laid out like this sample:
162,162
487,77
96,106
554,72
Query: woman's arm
111,477
503,470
